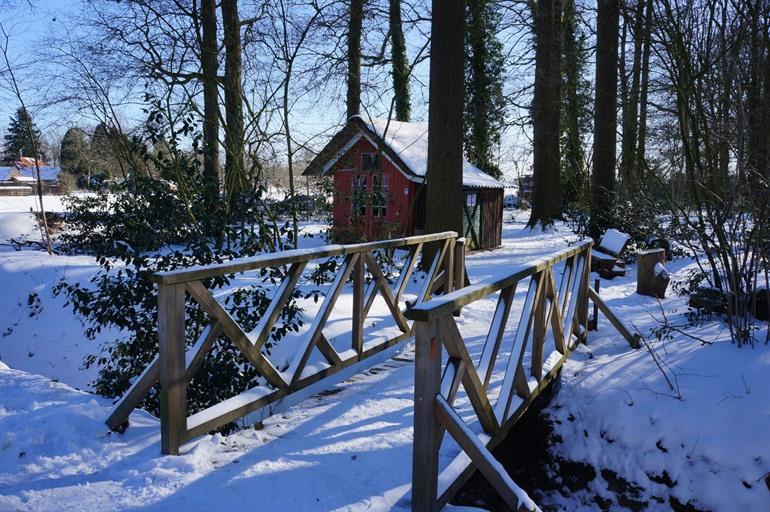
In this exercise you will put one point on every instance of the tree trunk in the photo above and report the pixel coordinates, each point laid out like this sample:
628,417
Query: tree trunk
445,119
209,68
235,172
576,180
400,64
605,115
355,23
546,113
641,146
631,102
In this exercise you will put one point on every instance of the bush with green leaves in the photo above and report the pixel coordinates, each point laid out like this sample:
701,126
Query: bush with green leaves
158,223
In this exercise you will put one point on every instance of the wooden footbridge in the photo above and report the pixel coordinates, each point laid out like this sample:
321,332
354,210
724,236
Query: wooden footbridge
553,321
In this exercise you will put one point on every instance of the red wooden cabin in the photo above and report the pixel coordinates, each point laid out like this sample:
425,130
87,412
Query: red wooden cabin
379,184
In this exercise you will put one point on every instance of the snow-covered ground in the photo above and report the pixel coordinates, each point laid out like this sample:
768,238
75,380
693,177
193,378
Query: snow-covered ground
350,448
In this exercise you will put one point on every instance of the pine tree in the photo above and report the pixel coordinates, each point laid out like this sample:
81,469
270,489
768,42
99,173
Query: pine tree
18,141
484,109
73,152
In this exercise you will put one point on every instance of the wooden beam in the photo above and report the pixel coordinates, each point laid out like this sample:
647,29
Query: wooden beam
459,298
633,339
237,265
495,335
319,322
173,384
474,388
236,334
274,310
387,293
427,430
358,306
513,495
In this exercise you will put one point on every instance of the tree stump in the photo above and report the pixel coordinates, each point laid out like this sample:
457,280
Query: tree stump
651,276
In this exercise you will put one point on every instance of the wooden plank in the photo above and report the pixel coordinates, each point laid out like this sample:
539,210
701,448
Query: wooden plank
274,310
495,335
556,324
427,430
540,326
474,388
459,298
449,266
574,299
387,293
514,371
633,340
430,276
453,375
173,384
407,270
459,264
358,306
319,322
267,403
276,259
236,334
327,350
493,471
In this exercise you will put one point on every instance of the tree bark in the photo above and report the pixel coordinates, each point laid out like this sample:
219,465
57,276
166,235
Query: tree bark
605,115
576,179
400,64
445,119
235,172
641,146
546,113
209,69
631,102
355,23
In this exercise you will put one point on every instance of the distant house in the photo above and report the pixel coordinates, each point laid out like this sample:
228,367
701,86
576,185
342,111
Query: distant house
526,183
380,184
20,178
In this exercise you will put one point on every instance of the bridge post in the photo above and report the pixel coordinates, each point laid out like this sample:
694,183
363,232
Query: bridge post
425,447
173,381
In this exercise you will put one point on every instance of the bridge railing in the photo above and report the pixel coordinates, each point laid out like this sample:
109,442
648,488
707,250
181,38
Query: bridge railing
176,365
551,311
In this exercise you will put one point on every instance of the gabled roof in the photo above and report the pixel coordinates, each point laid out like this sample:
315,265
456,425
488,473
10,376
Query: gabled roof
405,144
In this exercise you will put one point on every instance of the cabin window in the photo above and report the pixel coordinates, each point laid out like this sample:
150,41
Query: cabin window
359,195
380,195
370,161
470,200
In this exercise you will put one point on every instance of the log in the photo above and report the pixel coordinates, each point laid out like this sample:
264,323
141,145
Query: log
651,276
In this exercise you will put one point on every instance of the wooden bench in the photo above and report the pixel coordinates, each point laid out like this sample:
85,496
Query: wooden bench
606,257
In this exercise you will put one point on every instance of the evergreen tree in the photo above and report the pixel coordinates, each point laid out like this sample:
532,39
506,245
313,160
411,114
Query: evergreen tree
484,109
73,155
18,141
575,109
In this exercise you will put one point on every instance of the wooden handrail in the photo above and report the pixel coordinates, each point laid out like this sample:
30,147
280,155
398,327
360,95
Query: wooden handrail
237,265
279,387
562,308
447,304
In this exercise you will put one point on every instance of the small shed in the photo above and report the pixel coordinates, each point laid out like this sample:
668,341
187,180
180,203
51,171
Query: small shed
379,169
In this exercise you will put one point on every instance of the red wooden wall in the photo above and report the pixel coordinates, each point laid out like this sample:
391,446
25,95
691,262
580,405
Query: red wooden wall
400,212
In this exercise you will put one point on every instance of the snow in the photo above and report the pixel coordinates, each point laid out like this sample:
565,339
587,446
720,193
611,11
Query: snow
614,241
660,270
410,142
350,448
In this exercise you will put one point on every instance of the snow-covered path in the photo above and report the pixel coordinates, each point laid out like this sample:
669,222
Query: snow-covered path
350,448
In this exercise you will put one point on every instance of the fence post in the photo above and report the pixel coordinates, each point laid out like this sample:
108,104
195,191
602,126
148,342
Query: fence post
459,263
582,309
173,382
425,448
449,267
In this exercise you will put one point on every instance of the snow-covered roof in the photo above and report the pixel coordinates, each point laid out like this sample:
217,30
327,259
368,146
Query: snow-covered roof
410,142
47,173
